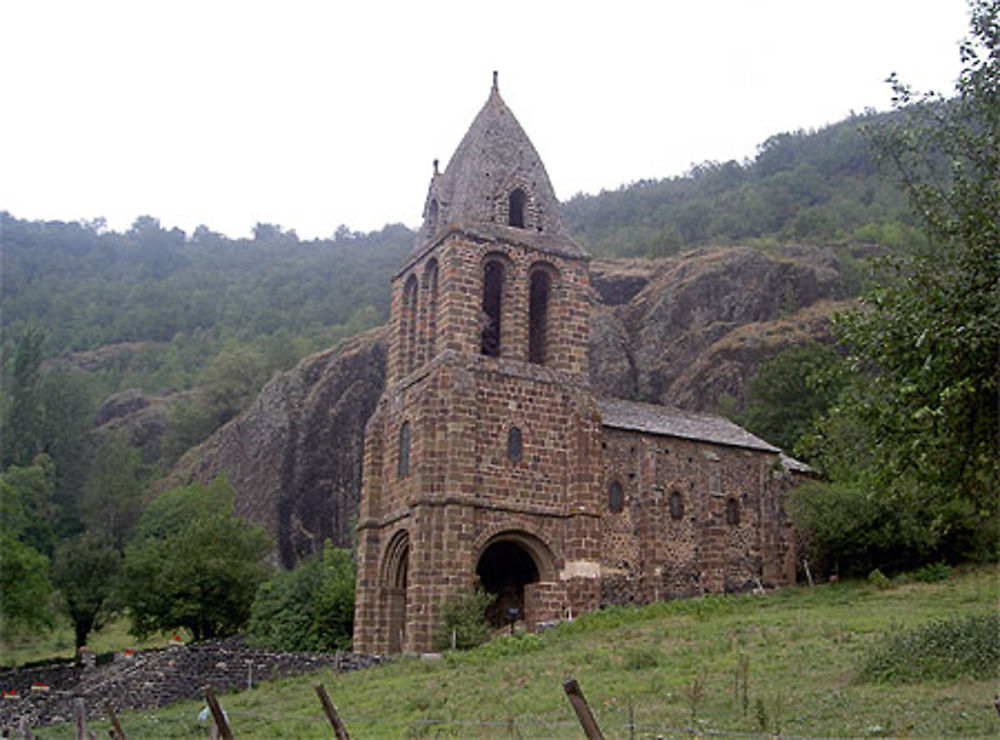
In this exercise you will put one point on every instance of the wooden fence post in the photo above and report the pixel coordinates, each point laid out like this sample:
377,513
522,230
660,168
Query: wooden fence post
583,713
217,714
24,727
80,718
119,733
331,713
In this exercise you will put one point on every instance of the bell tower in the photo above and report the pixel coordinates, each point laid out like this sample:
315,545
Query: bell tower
482,459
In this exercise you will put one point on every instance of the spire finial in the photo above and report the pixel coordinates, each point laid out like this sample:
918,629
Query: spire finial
495,85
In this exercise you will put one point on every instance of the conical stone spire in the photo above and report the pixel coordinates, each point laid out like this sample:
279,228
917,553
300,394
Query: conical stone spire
496,169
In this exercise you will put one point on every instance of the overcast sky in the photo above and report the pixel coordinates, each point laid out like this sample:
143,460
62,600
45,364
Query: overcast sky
315,114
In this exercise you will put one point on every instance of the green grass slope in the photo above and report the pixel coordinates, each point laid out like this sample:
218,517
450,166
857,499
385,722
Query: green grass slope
673,667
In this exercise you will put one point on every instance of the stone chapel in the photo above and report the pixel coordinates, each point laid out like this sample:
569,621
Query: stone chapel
490,462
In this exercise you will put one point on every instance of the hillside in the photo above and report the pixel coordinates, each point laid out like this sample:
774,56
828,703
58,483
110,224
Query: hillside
785,663
687,331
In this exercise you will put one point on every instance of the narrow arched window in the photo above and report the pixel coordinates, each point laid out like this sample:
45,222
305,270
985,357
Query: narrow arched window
676,505
431,287
403,464
515,208
616,497
492,299
732,511
514,445
538,316
408,325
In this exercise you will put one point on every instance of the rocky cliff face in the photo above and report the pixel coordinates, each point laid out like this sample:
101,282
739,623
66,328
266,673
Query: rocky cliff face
685,331
294,457
689,330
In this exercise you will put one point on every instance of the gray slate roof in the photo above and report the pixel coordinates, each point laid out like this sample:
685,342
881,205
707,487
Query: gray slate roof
673,422
494,157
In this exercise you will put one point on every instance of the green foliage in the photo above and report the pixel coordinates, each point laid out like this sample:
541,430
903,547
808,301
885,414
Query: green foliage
914,434
193,564
932,573
173,509
790,393
170,304
819,186
879,579
27,508
84,569
111,500
310,608
24,417
465,617
25,591
942,649
853,529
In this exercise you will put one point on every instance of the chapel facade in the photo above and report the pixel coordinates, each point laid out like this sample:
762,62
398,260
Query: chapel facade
490,462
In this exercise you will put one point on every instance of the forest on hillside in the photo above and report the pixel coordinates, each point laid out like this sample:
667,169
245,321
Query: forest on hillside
166,303
902,420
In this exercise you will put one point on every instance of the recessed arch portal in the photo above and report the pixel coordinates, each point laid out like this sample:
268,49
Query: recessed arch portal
507,563
395,576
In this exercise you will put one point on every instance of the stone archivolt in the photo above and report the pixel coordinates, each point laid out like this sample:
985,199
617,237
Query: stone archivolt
489,460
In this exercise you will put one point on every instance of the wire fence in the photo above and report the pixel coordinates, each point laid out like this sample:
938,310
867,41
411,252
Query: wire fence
220,723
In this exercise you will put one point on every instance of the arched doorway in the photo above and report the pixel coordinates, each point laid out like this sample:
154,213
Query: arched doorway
394,577
508,563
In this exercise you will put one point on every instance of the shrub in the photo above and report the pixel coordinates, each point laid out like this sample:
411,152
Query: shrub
310,608
944,649
465,615
878,579
932,573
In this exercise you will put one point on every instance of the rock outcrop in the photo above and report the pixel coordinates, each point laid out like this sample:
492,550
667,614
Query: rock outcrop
294,457
142,418
686,331
667,342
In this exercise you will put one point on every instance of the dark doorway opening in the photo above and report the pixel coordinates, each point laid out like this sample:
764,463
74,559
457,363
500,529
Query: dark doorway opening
504,570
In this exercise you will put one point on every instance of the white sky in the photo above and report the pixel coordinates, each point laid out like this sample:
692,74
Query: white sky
314,114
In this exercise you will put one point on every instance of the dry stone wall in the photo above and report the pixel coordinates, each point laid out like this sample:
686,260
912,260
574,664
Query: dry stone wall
155,678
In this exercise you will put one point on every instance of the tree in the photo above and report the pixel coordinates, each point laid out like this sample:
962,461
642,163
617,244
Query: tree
25,591
111,501
83,569
24,418
310,608
924,345
790,393
199,570
25,540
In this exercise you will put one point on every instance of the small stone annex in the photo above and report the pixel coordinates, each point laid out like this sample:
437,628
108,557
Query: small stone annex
488,460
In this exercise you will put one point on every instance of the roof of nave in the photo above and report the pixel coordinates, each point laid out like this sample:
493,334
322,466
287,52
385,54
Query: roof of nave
673,422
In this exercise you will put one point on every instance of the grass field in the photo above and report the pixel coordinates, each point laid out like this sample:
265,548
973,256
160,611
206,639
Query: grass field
785,663
58,643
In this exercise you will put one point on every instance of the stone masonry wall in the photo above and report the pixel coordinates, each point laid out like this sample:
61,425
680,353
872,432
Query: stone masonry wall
155,678
726,530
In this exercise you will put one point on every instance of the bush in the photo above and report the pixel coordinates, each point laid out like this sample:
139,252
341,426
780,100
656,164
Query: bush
932,573
310,608
878,579
465,616
943,649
